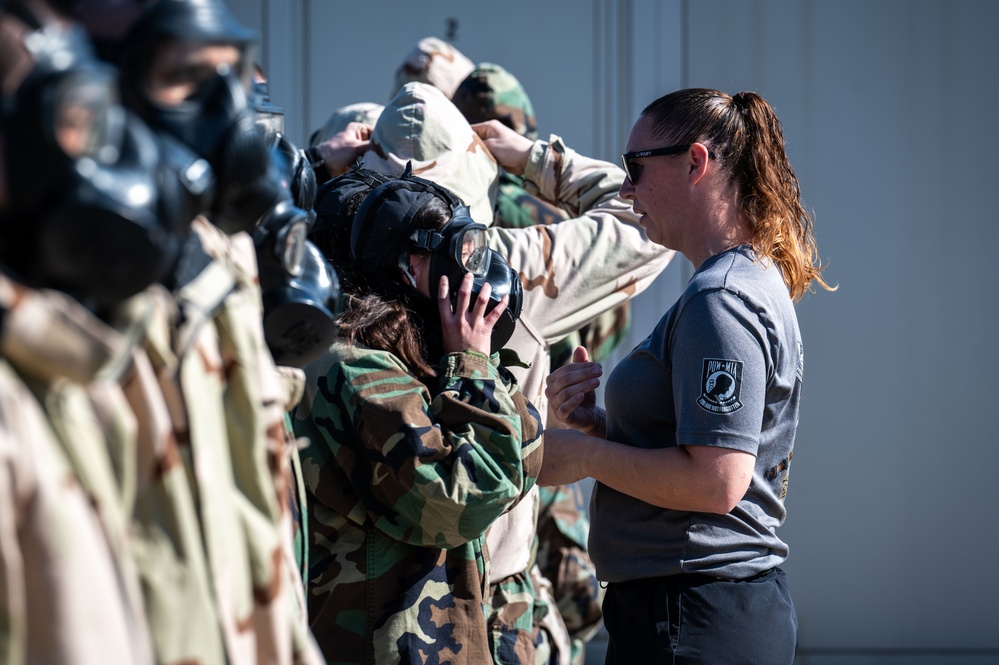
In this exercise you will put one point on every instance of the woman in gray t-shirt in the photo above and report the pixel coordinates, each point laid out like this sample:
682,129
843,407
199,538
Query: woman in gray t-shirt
693,451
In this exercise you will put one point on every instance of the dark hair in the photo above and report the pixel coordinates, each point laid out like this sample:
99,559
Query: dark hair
386,317
746,135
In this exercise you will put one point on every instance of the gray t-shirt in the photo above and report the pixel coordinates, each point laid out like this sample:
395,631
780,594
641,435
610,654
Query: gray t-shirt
722,368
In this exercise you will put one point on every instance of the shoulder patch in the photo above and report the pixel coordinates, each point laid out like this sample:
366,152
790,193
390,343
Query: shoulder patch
721,381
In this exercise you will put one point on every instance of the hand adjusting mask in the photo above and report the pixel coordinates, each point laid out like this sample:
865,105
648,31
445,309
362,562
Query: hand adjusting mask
382,239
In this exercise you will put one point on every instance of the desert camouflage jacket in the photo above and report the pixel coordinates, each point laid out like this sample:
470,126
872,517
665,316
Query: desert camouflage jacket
403,482
228,404
69,592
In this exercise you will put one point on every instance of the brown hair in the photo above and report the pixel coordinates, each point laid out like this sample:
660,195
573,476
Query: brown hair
746,135
383,318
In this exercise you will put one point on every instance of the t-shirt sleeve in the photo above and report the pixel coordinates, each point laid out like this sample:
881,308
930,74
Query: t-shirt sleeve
719,372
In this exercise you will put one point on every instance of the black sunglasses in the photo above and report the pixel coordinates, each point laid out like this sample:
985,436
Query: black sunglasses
633,169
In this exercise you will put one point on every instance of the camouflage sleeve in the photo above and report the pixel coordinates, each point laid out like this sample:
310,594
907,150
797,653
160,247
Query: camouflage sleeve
563,527
61,594
577,269
530,423
426,470
573,182
516,208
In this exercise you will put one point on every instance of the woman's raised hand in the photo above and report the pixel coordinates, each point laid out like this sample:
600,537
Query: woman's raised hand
571,396
510,149
467,328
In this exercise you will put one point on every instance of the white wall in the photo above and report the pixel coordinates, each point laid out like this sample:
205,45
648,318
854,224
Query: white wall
888,108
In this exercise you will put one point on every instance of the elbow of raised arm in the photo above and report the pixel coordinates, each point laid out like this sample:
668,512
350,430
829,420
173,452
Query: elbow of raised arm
471,523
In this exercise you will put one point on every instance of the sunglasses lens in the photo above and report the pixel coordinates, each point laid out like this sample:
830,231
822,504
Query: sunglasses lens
634,171
630,168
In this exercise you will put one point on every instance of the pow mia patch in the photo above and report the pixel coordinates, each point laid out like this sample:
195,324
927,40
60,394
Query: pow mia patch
721,381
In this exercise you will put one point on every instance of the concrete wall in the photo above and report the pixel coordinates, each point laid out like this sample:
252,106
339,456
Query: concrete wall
888,108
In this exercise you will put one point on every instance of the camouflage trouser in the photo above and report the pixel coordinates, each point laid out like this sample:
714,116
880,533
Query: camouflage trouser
562,557
513,613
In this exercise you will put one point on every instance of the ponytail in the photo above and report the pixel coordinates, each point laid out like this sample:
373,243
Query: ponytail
771,197
747,136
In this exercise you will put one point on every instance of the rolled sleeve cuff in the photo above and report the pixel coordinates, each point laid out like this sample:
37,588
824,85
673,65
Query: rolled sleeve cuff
468,365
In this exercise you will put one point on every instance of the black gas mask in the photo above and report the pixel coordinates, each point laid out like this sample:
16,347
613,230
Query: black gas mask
382,238
299,287
297,173
216,120
95,206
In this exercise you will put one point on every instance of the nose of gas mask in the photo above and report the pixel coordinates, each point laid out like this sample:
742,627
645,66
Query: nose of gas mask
299,288
87,214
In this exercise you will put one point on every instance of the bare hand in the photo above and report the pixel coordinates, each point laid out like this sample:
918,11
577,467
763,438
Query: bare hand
564,457
571,397
509,148
464,328
340,150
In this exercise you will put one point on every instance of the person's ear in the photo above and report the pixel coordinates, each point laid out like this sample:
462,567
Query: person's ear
698,157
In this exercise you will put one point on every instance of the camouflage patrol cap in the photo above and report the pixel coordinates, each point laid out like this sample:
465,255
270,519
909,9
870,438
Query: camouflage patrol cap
436,62
492,93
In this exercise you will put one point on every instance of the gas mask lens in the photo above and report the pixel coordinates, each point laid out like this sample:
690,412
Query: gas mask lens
88,121
271,123
293,246
184,71
473,251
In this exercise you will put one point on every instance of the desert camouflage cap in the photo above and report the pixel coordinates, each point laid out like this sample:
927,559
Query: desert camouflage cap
490,92
436,62
422,126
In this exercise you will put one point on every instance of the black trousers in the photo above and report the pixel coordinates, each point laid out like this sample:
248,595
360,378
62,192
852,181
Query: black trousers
697,619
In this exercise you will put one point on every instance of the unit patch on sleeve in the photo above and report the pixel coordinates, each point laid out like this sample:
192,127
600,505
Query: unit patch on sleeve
721,381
